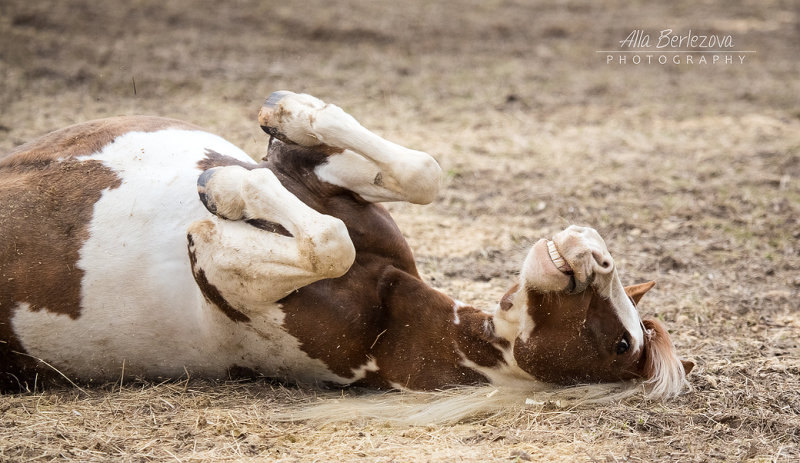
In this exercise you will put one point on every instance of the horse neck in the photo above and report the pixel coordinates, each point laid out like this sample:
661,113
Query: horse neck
432,341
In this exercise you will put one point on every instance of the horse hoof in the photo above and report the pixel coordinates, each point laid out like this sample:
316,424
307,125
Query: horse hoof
269,115
273,99
205,196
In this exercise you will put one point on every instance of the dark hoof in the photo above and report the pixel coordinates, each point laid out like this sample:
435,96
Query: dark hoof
273,99
205,197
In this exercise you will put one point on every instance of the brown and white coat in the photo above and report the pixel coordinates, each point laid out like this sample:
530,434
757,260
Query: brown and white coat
288,268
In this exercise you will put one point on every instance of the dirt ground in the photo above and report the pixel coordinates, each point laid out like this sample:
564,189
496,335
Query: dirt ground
691,172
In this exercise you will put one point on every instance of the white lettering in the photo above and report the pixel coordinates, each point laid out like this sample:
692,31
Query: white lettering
663,39
727,41
630,40
666,39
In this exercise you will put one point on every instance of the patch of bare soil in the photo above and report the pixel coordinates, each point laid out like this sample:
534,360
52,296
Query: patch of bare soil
691,172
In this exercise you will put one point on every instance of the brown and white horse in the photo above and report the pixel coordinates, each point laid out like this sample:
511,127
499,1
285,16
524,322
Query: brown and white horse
111,261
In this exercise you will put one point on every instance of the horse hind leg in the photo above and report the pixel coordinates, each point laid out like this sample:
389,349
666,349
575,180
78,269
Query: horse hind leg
358,159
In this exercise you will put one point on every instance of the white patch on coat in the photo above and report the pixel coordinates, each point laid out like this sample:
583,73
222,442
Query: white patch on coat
516,322
507,373
456,306
361,372
140,303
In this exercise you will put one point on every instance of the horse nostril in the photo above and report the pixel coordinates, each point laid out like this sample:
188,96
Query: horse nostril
603,261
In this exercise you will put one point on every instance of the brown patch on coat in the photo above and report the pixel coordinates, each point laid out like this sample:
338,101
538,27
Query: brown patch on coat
422,347
339,321
336,320
210,292
44,220
215,159
380,309
294,166
47,200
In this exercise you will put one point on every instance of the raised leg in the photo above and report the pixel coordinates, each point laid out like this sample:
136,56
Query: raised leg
265,243
359,160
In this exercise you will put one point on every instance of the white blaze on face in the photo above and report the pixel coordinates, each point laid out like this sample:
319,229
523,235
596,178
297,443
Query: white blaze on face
626,312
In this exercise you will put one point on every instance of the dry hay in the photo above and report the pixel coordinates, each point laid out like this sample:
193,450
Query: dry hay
198,421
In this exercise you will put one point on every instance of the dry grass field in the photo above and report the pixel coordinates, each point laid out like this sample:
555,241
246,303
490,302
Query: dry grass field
691,172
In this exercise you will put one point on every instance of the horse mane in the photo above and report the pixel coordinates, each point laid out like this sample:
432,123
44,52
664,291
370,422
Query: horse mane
662,369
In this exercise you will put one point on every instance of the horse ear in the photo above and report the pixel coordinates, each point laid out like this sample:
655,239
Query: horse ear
636,292
688,365
507,302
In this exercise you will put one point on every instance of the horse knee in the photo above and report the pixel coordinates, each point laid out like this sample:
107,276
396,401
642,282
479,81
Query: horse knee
328,247
422,179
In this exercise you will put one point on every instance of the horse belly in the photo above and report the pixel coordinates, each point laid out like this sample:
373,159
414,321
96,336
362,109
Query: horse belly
139,302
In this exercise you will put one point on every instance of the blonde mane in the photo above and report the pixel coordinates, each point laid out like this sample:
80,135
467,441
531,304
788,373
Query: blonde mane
664,373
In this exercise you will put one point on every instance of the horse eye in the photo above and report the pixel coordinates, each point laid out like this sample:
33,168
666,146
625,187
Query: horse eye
623,346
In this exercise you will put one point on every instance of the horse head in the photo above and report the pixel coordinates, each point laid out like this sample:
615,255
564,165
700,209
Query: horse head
570,320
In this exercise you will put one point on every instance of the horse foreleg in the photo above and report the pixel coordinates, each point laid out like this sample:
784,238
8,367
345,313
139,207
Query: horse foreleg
361,161
264,242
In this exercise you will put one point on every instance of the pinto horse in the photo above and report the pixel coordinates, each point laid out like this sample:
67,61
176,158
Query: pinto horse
148,246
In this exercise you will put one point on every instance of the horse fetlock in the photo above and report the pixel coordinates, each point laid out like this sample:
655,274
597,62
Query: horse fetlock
327,247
